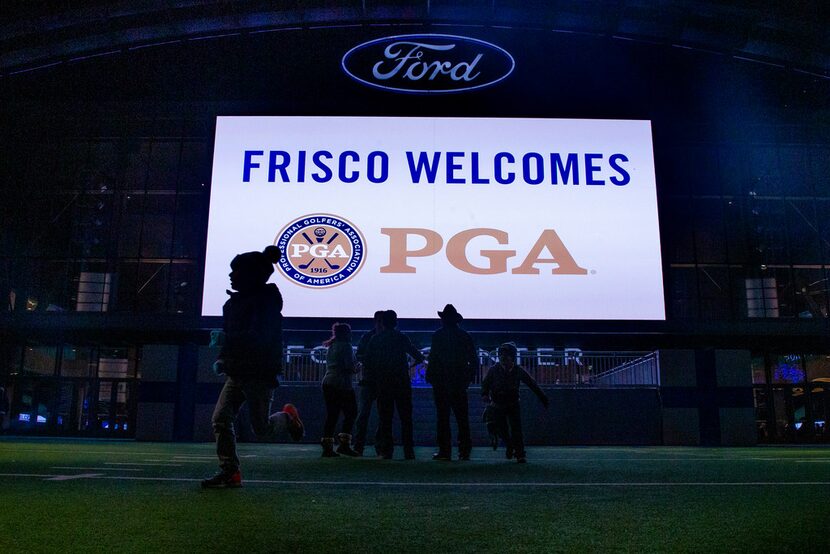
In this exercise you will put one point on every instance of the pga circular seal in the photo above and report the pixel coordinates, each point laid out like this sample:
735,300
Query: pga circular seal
320,250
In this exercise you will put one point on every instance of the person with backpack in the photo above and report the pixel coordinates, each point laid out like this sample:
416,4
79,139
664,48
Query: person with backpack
250,359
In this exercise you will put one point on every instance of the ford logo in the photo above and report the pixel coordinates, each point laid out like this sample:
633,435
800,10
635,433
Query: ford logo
428,64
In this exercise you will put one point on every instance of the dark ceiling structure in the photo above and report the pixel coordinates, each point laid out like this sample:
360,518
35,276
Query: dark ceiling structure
793,35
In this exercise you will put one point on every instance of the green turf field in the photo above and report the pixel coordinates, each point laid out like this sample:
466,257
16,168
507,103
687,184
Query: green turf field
105,496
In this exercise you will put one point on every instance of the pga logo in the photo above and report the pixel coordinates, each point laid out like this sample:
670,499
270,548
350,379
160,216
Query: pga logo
320,250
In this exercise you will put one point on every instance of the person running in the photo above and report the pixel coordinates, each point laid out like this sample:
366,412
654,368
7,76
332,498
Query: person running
368,390
250,359
453,364
338,391
500,391
387,365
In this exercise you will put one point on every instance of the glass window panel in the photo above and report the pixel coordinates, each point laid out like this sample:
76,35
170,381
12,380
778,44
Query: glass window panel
794,167
151,294
77,361
39,360
129,227
164,165
126,284
766,171
137,165
71,168
822,207
810,292
735,231
714,292
759,371
734,170
709,231
183,289
784,289
194,171
191,222
763,426
678,230
117,363
157,229
701,164
682,284
802,230
767,224
818,163
817,367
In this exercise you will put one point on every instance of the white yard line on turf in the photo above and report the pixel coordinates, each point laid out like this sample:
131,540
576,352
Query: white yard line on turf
73,477
461,484
165,464
97,468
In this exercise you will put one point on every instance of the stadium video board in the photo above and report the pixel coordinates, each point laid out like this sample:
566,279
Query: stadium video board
504,218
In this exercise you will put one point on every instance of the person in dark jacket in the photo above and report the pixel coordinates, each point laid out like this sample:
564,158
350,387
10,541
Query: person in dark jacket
453,364
338,392
500,389
387,365
250,358
368,390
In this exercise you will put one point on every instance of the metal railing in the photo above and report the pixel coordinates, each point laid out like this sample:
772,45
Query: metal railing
550,367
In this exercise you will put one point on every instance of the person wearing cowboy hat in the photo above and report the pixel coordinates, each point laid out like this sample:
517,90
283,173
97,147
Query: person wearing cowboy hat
452,366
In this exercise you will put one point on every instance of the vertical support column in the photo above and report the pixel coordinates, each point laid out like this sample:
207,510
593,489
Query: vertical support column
157,395
706,397
185,392
736,404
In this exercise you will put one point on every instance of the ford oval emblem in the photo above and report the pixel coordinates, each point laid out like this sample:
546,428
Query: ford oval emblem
428,64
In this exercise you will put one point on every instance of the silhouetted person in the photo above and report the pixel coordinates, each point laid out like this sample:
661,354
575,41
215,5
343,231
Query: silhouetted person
250,358
500,389
368,390
387,366
338,392
453,363
4,408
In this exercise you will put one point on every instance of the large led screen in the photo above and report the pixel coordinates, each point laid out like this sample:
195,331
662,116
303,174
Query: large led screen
504,218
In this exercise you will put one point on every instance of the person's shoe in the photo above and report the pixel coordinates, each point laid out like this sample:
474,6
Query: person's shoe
409,455
358,450
464,456
521,459
345,446
223,480
328,448
494,441
509,453
440,456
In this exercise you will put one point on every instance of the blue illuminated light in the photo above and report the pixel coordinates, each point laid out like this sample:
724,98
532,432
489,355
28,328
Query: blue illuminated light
24,417
788,373
41,419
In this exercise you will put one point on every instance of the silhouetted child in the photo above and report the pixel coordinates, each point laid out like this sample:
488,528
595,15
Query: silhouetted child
500,391
251,359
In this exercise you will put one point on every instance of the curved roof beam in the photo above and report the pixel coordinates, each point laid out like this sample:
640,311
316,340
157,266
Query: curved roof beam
776,33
